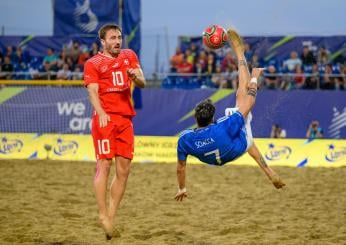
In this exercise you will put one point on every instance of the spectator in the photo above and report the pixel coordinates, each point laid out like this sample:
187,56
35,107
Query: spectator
254,62
211,64
323,56
184,67
341,80
190,58
227,61
201,62
74,51
328,81
314,131
64,73
271,79
51,60
83,57
176,59
77,74
298,78
313,80
277,132
7,68
247,51
218,78
307,57
292,62
94,49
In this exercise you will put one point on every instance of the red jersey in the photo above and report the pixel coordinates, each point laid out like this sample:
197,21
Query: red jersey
114,84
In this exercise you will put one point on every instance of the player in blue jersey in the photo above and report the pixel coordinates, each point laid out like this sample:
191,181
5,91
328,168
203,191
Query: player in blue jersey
228,138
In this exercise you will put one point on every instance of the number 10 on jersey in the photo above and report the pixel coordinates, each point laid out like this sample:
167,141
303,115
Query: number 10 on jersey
118,78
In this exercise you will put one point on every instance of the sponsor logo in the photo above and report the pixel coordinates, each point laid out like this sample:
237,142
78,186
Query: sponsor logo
338,122
275,152
8,146
116,65
64,147
335,154
104,69
202,143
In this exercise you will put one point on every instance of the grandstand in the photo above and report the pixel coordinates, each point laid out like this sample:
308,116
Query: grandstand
47,160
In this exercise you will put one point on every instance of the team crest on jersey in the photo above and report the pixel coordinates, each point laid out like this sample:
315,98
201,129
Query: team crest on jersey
126,62
104,69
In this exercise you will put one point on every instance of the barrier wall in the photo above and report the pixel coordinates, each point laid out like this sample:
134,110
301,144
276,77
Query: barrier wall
167,112
283,152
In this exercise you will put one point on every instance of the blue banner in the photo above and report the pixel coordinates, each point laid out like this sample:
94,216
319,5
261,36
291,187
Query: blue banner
167,112
75,17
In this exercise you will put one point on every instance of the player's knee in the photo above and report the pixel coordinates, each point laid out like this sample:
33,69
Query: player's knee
104,165
123,171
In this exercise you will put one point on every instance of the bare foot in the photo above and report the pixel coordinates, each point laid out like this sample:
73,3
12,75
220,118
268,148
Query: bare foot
236,43
107,226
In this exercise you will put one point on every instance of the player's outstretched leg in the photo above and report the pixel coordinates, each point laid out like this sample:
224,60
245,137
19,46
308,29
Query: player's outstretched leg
243,70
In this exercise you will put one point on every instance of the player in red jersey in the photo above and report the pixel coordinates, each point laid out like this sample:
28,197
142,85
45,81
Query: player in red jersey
108,77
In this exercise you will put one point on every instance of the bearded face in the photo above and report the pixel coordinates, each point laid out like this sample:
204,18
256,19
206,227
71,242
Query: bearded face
112,42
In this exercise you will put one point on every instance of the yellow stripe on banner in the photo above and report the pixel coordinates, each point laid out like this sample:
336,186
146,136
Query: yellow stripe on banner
43,82
161,149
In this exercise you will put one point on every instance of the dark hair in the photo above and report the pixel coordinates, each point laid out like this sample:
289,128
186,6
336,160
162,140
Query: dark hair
204,113
103,30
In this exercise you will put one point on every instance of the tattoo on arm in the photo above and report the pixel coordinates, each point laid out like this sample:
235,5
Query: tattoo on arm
242,62
263,162
252,92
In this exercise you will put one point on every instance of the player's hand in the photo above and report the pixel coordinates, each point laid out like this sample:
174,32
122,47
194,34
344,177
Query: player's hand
256,72
131,73
181,195
277,182
104,119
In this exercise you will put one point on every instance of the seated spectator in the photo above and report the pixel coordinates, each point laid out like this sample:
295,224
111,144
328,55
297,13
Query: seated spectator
77,74
323,56
341,80
7,68
277,132
298,78
314,130
227,61
201,62
247,51
218,78
211,64
83,57
292,62
94,49
307,57
51,60
313,79
254,62
64,73
74,51
176,59
271,79
190,58
328,81
184,67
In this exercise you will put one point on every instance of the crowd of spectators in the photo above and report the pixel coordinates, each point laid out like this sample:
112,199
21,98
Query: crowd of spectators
194,68
65,64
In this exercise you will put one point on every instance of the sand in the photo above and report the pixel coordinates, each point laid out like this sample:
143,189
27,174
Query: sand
52,202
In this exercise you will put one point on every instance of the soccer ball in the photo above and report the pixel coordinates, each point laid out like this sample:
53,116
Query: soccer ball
214,37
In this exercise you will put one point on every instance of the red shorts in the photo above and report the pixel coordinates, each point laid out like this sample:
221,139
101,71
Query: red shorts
116,139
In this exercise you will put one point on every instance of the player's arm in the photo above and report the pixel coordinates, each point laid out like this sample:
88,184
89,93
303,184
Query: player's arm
181,173
93,89
274,177
137,76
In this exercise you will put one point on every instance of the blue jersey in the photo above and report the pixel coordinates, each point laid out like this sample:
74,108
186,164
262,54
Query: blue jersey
216,144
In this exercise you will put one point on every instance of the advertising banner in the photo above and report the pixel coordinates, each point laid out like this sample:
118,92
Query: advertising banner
154,149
